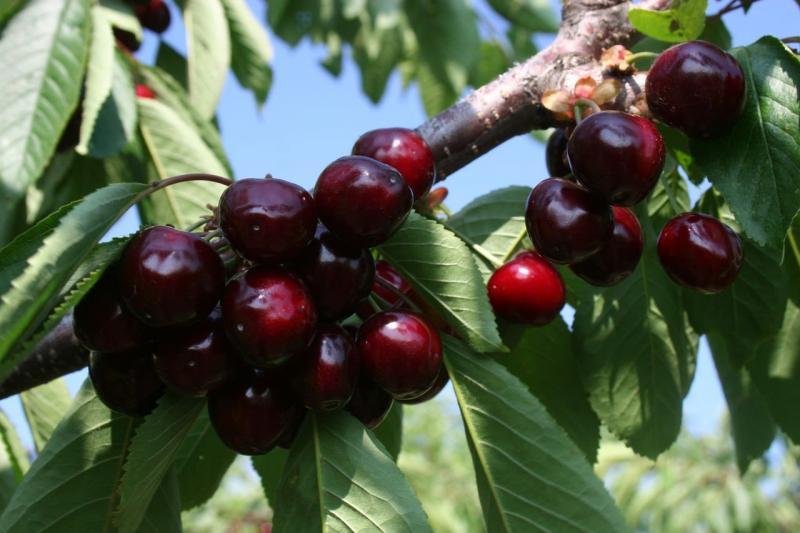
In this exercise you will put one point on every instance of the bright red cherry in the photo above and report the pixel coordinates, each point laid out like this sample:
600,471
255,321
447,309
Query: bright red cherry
527,290
617,155
252,413
697,88
126,382
328,371
556,154
154,15
700,252
401,352
339,276
566,222
170,277
404,150
361,200
143,91
267,220
618,257
370,403
440,383
269,315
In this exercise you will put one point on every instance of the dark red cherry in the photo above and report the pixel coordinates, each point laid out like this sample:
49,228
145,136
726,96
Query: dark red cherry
404,150
401,352
328,372
127,40
618,257
267,220
556,154
126,382
700,252
617,155
566,222
369,403
195,359
170,277
386,274
154,15
697,88
252,413
103,323
339,276
440,383
527,290
269,315
361,200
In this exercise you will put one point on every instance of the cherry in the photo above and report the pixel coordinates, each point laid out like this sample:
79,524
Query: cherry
267,220
252,413
103,323
170,277
556,154
700,252
441,382
269,315
618,257
527,290
154,15
361,200
126,382
196,359
697,88
617,155
370,403
386,273
328,371
339,276
401,352
143,91
127,40
404,150
566,222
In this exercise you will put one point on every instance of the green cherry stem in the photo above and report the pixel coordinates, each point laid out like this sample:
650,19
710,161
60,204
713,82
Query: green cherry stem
580,103
640,55
479,250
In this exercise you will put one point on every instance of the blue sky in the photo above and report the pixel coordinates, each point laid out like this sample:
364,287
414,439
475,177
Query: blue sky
311,118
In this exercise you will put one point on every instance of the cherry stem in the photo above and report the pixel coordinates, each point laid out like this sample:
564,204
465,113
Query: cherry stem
183,178
580,103
791,40
641,55
397,292
374,304
517,241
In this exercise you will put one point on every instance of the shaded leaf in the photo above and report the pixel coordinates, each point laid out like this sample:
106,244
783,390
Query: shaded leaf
44,407
121,16
390,430
20,463
533,15
251,49
99,75
173,63
270,470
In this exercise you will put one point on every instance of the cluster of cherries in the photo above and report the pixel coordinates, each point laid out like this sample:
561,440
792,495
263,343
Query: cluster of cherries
266,334
610,162
153,15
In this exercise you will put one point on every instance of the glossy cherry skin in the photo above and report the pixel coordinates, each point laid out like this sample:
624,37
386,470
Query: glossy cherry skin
440,383
527,290
401,352
618,258
339,276
126,382
403,149
369,403
617,155
556,154
193,360
252,413
154,15
267,220
170,277
269,315
566,222
328,371
361,200
700,252
697,88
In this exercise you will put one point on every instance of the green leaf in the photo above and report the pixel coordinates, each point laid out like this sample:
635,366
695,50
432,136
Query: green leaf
7,9
378,65
69,177
44,408
669,198
173,63
270,469
436,93
531,477
492,62
684,21
756,164
390,430
42,86
209,46
18,456
339,477
151,456
122,16
99,75
164,513
251,49
442,270
8,477
533,15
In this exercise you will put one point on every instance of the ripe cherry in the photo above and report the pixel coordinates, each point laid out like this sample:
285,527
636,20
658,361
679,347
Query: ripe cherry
361,200
697,88
252,413
527,290
143,91
370,403
127,40
328,370
404,150
339,276
556,154
440,383
269,315
170,277
154,15
618,257
566,222
401,352
386,274
700,252
267,220
126,382
195,359
617,155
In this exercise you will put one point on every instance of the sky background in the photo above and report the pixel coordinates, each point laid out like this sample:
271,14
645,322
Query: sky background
312,118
